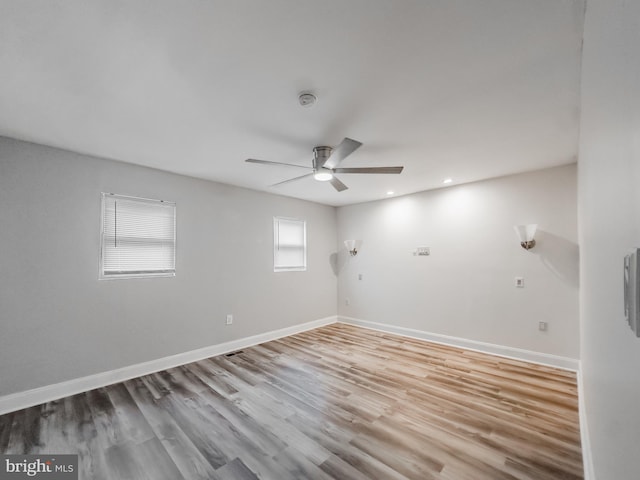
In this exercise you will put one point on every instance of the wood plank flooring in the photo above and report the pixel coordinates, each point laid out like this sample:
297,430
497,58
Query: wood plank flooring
338,402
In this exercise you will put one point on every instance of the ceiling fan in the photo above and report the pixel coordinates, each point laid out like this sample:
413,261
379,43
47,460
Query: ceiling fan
325,164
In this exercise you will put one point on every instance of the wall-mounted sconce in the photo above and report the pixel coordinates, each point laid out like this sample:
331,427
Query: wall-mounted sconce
351,246
525,234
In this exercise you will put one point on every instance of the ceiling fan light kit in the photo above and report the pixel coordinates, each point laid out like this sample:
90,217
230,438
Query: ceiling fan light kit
326,160
323,176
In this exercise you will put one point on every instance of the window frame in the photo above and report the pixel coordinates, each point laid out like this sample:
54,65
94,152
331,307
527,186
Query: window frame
276,246
103,236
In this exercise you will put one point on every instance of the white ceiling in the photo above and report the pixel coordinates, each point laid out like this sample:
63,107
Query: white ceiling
464,89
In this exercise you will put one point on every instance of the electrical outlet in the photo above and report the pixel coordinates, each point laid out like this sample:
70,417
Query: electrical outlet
347,302
542,326
229,319
359,276
422,251
519,282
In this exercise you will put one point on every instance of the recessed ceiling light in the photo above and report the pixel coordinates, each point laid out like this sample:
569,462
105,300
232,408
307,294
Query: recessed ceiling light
390,192
447,180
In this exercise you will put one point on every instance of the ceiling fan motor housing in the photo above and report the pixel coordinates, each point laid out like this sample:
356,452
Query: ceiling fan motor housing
320,156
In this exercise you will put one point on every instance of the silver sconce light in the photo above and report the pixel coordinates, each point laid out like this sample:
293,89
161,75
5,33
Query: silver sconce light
525,234
351,246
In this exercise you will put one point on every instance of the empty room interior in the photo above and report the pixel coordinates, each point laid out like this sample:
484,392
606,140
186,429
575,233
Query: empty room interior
320,239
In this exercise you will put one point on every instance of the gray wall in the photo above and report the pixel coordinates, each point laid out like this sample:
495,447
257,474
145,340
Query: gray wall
59,322
609,214
465,288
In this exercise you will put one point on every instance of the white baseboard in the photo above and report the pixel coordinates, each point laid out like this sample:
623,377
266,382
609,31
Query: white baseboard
500,350
587,460
36,396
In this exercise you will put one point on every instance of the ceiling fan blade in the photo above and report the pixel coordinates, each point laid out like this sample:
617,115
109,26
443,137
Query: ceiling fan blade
292,179
266,162
342,151
369,170
337,184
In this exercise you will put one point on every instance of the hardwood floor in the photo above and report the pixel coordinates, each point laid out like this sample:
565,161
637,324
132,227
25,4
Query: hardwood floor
337,402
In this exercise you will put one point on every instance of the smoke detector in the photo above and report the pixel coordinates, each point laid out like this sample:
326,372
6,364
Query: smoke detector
307,99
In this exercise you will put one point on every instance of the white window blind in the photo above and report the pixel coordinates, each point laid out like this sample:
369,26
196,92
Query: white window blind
138,237
289,244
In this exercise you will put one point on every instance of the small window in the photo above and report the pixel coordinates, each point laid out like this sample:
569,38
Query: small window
289,245
138,237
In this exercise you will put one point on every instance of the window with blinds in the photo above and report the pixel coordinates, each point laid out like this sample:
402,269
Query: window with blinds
289,245
138,237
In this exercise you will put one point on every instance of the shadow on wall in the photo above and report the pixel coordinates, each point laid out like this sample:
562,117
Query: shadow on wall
338,260
560,256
